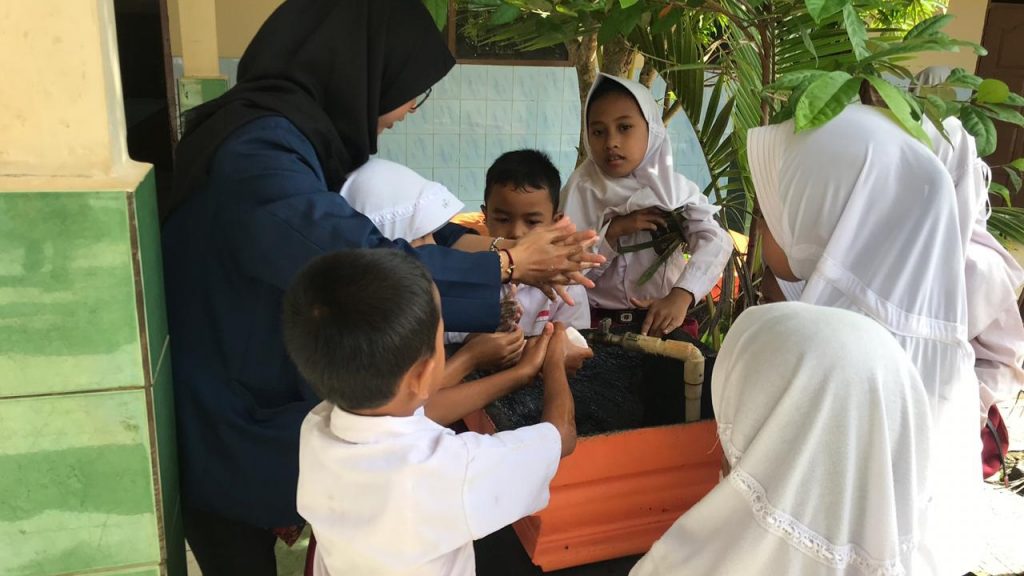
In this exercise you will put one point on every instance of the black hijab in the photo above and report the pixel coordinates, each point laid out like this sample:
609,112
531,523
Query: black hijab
331,67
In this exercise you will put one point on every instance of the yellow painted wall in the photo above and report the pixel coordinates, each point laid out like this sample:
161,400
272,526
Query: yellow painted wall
61,112
237,22
968,24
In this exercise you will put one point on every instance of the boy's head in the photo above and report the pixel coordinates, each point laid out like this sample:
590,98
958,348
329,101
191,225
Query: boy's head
616,129
521,193
364,329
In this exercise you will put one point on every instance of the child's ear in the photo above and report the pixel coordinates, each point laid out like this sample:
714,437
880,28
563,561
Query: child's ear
420,377
558,216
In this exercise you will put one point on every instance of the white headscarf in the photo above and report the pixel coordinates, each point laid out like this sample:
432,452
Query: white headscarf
867,216
992,276
589,197
400,203
826,428
971,178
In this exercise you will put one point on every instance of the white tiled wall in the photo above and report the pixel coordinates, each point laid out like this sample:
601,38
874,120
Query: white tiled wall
478,112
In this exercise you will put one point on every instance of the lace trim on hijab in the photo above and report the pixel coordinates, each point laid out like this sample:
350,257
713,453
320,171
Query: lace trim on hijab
806,540
725,436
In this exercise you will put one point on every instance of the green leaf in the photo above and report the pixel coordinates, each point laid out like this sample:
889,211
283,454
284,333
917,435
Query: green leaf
929,26
980,126
992,91
820,9
504,15
627,3
900,108
1007,222
791,80
960,77
1002,191
438,11
1014,179
856,31
805,36
1005,114
1018,164
825,98
562,9
1015,100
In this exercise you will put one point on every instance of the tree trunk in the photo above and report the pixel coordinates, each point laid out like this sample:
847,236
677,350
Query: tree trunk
617,57
583,56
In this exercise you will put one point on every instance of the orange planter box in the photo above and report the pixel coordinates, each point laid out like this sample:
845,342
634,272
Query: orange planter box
618,492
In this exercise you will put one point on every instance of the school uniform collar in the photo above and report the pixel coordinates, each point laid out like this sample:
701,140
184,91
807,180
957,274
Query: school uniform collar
372,429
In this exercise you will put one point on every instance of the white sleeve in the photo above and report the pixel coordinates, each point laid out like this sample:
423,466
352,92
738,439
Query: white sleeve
507,475
999,352
577,316
709,245
455,337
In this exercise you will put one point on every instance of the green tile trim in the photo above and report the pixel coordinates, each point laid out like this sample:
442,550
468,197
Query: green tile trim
193,91
172,529
68,319
149,265
76,492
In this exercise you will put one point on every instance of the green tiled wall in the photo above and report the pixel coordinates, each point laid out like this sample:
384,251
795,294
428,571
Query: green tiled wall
88,467
77,489
193,91
67,297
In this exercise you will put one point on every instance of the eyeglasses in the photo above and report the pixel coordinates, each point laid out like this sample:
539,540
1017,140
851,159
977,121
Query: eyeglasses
422,99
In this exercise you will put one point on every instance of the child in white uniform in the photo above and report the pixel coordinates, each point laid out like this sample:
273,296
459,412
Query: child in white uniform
404,205
624,189
387,490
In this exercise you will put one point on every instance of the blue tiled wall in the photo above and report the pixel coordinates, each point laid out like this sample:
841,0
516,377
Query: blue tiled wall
478,112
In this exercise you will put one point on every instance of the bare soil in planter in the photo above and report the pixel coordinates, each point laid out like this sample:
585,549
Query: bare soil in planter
615,390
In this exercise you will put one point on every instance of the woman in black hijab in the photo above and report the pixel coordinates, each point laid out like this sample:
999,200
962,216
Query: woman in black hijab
255,199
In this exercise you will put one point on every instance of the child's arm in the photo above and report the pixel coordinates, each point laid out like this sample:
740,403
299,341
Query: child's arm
454,403
481,351
710,247
559,409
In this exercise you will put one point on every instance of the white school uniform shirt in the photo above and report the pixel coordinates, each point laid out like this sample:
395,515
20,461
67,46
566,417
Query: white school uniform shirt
538,311
826,427
400,203
592,199
991,274
405,496
867,216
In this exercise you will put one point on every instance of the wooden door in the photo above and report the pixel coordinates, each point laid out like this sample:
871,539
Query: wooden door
1004,39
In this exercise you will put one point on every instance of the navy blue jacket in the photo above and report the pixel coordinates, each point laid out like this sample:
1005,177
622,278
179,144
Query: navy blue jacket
229,254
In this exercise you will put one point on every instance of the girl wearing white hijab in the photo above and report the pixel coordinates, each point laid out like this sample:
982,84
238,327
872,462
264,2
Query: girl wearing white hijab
623,189
866,215
828,453
400,203
992,275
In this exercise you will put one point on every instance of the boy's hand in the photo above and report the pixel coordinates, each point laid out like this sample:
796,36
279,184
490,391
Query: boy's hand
666,314
649,219
498,350
575,356
557,348
533,354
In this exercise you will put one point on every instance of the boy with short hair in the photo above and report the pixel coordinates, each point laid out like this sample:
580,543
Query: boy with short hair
386,490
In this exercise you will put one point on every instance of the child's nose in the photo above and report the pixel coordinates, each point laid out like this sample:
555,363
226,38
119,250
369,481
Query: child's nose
518,230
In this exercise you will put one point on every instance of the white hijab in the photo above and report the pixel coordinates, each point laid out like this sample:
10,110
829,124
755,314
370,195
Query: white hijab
828,449
400,203
992,274
590,198
867,216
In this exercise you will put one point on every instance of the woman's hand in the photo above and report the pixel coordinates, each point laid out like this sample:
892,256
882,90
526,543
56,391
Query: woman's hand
649,219
498,350
666,314
552,257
